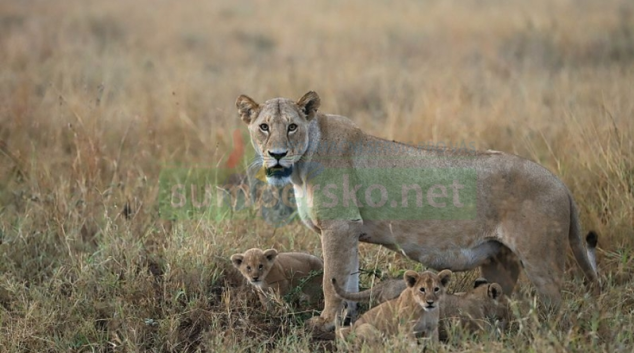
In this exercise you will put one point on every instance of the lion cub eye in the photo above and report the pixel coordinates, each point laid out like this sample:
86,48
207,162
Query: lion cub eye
264,127
261,266
248,268
436,289
292,127
422,290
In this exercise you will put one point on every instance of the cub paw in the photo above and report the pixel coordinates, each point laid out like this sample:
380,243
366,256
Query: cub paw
319,325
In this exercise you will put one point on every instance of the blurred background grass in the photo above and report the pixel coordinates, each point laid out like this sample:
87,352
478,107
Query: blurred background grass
97,96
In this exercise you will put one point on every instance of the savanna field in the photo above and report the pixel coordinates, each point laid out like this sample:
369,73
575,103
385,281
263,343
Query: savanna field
98,97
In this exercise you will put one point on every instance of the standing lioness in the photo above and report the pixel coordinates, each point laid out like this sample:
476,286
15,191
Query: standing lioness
518,211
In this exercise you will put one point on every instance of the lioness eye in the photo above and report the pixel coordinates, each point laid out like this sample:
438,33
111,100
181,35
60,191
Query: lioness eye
436,289
422,290
292,127
264,127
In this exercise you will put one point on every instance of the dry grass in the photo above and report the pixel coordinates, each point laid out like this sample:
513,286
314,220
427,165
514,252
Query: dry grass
96,97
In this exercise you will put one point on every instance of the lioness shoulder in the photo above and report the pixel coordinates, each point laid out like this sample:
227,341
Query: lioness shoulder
281,273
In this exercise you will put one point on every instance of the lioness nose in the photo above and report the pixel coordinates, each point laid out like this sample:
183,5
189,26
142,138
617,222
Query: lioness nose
430,302
277,156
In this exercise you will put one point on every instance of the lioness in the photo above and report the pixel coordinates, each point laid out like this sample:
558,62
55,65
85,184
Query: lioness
519,212
269,270
472,310
415,312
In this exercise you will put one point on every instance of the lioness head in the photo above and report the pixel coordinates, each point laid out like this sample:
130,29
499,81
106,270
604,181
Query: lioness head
254,264
495,303
279,131
427,288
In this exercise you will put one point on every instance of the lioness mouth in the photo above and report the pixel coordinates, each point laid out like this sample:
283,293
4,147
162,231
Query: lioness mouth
278,171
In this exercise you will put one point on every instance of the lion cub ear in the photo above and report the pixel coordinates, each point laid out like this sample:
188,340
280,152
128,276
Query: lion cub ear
270,254
410,277
495,291
236,260
480,281
309,104
247,108
444,277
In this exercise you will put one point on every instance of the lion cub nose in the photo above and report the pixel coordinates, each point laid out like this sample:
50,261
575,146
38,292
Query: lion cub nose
430,302
277,156
255,278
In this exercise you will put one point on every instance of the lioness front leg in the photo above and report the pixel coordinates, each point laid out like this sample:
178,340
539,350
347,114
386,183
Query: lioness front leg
340,243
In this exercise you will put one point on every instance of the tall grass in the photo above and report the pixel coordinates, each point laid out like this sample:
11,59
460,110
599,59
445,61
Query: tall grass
96,97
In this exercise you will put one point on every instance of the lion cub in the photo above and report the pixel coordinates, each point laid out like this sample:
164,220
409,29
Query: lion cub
471,310
415,312
269,271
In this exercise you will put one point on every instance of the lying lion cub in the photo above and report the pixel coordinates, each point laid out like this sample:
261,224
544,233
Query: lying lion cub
470,309
269,270
415,312
475,309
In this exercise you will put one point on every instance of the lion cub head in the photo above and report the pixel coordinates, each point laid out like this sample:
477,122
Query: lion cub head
427,288
254,264
279,132
494,302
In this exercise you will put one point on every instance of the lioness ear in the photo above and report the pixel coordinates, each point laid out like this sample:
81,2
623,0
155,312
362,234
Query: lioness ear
480,281
444,276
236,260
309,104
495,291
410,278
247,108
270,254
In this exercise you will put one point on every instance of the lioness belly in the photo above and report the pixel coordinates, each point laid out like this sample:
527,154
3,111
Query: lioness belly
432,245
455,259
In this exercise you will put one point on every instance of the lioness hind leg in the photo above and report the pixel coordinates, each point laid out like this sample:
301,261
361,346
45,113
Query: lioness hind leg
544,267
503,268
547,280
539,237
